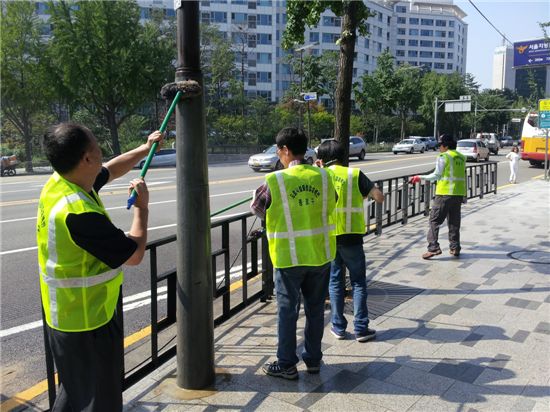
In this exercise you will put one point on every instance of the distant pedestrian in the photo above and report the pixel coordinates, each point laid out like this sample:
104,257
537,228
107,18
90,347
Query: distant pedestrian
297,204
352,187
514,158
450,174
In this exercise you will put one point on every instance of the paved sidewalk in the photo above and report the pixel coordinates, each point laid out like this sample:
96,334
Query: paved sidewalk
474,333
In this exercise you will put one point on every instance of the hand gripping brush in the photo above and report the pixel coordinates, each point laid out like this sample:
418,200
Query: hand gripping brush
179,90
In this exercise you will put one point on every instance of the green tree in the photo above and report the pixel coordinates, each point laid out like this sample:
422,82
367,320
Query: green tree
354,15
407,98
109,63
23,87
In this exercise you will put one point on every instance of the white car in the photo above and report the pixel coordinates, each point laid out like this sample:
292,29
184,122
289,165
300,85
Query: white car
268,159
357,147
164,157
409,146
473,149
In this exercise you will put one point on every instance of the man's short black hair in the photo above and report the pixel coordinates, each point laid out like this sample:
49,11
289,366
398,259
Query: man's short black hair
331,151
66,143
447,141
294,139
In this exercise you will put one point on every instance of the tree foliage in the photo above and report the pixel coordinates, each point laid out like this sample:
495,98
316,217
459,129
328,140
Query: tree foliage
106,60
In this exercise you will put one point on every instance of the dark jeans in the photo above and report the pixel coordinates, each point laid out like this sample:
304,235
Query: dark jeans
353,257
445,207
312,282
90,367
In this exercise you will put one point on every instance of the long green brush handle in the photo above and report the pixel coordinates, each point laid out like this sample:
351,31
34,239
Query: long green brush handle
133,195
248,199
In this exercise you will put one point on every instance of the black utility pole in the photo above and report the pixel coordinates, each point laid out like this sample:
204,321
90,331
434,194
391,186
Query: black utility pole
195,325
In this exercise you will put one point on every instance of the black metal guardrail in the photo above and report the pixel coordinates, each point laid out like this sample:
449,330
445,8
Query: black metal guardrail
401,202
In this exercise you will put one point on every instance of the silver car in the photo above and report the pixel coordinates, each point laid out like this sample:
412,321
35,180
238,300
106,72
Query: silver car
164,157
357,147
473,149
268,160
409,146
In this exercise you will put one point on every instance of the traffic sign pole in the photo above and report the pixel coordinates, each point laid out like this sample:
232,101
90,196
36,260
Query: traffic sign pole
544,123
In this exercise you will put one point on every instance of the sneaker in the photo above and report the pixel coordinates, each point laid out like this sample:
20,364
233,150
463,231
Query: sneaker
429,255
337,334
455,252
274,369
365,336
314,370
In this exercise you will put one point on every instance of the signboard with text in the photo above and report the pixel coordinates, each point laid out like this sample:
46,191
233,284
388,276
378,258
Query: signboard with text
532,53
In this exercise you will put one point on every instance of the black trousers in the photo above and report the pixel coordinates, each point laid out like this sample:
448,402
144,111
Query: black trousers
445,207
90,366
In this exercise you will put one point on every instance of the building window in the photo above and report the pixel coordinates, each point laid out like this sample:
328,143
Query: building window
413,63
205,18
401,20
440,33
451,34
251,4
252,40
400,42
414,32
266,94
251,21
441,23
449,66
412,53
379,47
366,58
218,17
426,64
450,56
427,33
263,58
251,79
313,37
439,55
439,65
388,20
426,54
330,37
367,44
265,3
380,16
263,77
354,72
413,20
264,38
400,53
332,21
379,31
400,9
264,20
238,18
402,31
426,22
413,42
440,44
426,43
450,45
239,1
451,23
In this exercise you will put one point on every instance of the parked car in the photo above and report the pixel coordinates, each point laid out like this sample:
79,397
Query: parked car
164,157
409,146
490,140
429,142
357,147
473,149
268,159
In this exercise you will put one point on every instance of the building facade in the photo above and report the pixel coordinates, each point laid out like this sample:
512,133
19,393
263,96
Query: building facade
503,75
418,32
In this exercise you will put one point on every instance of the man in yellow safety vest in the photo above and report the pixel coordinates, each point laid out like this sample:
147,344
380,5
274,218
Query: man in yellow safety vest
80,253
297,204
352,187
450,174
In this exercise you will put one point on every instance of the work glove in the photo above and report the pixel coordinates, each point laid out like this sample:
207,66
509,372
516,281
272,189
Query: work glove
415,179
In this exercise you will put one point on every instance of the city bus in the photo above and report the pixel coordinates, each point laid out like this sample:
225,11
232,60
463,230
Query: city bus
533,140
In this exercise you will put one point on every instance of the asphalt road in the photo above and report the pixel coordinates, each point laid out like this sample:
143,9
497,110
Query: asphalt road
21,341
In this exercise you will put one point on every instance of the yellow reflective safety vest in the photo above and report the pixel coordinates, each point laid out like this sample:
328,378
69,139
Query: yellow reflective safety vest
350,216
299,221
453,180
79,292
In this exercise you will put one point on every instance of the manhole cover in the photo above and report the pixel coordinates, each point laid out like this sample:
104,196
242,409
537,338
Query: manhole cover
382,297
531,256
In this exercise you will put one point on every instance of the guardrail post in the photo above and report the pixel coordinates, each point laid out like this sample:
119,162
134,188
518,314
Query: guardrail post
481,181
267,269
378,209
494,166
405,203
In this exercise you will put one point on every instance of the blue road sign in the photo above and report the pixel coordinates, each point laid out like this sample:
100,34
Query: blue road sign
544,119
532,53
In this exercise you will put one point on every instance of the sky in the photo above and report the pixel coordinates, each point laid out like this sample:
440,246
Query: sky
516,19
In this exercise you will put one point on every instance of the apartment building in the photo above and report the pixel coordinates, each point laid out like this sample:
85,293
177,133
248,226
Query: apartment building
418,32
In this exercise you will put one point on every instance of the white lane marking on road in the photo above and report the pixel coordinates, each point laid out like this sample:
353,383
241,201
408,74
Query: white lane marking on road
25,249
135,301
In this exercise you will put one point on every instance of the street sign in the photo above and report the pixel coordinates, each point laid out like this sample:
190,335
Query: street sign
544,104
465,98
515,120
458,106
532,53
309,96
544,119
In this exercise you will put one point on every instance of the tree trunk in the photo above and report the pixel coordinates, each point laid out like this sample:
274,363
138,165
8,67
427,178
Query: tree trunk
345,76
27,136
402,125
110,116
